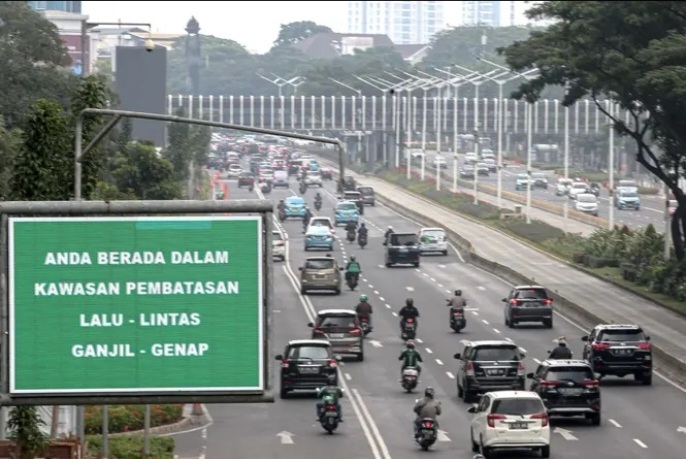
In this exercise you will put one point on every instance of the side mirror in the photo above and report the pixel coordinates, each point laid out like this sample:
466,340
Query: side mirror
471,409
300,268
504,300
457,356
339,358
530,375
647,338
278,357
522,355
310,324
584,338
341,269
548,352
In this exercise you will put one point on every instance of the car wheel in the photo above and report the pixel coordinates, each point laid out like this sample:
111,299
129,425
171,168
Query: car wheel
548,323
645,378
594,418
283,393
507,322
460,392
360,357
545,452
468,396
445,253
485,452
388,265
307,249
475,445
303,291
337,291
637,209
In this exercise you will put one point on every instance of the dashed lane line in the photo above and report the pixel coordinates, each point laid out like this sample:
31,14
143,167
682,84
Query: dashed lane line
615,423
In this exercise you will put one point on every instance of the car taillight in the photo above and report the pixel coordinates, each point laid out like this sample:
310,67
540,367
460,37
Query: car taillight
491,418
428,424
543,417
469,369
591,384
515,302
409,321
548,301
644,346
332,363
355,331
364,319
457,314
520,368
550,383
331,408
600,347
319,331
285,363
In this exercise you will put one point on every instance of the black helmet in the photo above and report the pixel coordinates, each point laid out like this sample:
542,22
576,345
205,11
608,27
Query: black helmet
458,292
429,392
409,302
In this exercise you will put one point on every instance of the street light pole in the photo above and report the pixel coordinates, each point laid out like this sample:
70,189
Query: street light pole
611,168
278,82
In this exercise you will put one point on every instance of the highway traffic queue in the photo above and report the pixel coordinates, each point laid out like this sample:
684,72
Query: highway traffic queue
490,373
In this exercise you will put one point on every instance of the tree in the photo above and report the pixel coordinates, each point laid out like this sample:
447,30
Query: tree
10,140
34,62
178,149
43,168
631,52
24,430
291,33
139,171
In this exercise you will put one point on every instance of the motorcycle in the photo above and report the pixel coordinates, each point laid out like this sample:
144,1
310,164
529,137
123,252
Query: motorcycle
265,188
318,204
352,280
282,215
364,325
427,434
351,236
251,188
303,188
410,379
595,189
362,240
329,418
409,329
458,321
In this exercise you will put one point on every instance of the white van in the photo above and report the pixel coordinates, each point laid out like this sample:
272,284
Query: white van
280,179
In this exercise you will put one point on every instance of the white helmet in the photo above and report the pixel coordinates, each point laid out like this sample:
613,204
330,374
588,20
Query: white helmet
390,227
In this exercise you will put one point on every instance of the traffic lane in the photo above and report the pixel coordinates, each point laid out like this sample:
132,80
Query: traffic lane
190,444
286,428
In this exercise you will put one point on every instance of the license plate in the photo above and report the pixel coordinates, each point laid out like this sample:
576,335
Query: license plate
570,391
519,426
495,372
336,335
320,276
427,435
402,249
331,414
623,351
411,373
409,326
308,370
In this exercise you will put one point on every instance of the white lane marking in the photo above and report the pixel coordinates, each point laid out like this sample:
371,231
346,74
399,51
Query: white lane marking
429,351
376,343
450,375
439,362
381,266
475,313
496,330
388,306
471,309
347,376
523,351
371,286
481,287
425,275
448,290
376,292
417,269
440,285
484,321
286,437
640,443
382,298
615,423
441,266
409,289
432,279
372,425
537,361
395,314
419,341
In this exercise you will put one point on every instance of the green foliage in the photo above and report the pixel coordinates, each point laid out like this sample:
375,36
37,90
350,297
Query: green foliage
139,171
187,144
10,140
129,418
33,61
43,168
290,34
632,52
24,429
131,447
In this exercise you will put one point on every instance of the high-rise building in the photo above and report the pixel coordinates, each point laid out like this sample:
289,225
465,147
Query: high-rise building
404,22
482,13
68,7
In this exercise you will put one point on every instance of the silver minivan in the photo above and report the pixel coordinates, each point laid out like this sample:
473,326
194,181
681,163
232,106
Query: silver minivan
280,179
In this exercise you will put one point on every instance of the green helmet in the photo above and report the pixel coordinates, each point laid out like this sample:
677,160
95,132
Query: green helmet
363,298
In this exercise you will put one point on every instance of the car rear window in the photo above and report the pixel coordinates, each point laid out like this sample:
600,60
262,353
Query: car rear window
517,406
321,222
576,374
434,234
277,236
347,206
622,336
309,352
366,191
319,264
496,354
403,239
532,294
347,321
352,195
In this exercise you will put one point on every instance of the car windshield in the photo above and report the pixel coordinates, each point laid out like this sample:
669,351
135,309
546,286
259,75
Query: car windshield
319,264
295,202
347,206
234,167
434,234
517,406
496,354
308,353
403,239
366,191
587,198
576,374
489,161
532,294
346,321
627,184
622,336
629,195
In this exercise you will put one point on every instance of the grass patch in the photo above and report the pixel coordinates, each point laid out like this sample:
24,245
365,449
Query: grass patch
615,275
131,447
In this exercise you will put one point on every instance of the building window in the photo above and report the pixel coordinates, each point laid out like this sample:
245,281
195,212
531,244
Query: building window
39,6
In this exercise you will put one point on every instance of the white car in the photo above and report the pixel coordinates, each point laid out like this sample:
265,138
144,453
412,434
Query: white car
322,221
587,203
440,163
578,188
562,187
234,171
278,246
471,158
433,240
313,178
510,420
416,153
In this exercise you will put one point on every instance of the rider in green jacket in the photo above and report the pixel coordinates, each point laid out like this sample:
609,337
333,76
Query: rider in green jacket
329,392
410,357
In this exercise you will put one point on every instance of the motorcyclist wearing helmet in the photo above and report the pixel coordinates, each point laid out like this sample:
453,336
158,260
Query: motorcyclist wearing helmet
351,226
318,197
353,268
388,232
362,231
364,309
329,391
561,352
306,218
409,311
281,206
457,303
427,407
219,194
411,358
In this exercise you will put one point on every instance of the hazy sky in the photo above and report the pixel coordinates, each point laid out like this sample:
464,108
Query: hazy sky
255,25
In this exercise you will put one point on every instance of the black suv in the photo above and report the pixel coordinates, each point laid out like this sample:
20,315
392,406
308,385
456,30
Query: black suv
368,196
528,303
620,350
307,364
488,366
568,388
402,248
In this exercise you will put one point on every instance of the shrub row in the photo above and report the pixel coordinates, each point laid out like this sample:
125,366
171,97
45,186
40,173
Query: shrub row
127,418
637,252
131,447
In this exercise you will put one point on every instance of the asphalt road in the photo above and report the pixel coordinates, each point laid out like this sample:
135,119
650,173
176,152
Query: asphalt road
652,207
638,422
